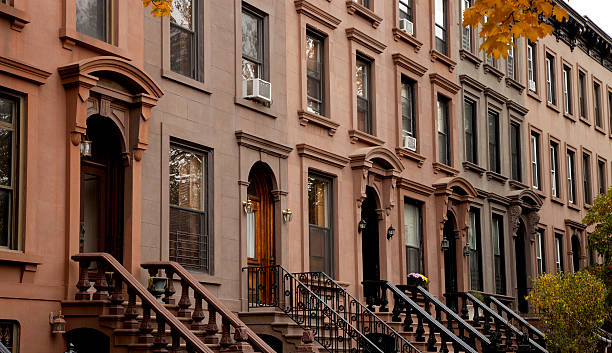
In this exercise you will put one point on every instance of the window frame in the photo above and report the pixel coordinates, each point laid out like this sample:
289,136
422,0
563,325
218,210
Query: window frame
602,175
597,104
517,142
570,160
421,250
197,42
609,96
447,137
583,110
555,180
536,179
473,138
110,22
407,81
559,263
16,334
498,219
330,181
512,65
568,107
369,117
551,77
493,147
322,38
532,67
441,44
475,250
587,177
540,245
262,23
410,15
467,31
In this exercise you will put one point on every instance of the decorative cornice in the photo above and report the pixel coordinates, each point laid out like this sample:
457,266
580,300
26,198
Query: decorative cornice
316,119
408,154
444,59
473,167
410,185
399,34
366,138
500,98
409,64
355,8
24,71
498,199
260,144
510,82
491,175
574,224
490,69
317,154
512,105
439,167
304,7
359,37
471,82
18,18
443,82
467,55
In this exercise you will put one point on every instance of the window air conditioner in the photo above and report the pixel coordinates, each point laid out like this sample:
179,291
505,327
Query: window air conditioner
257,89
532,85
410,143
407,26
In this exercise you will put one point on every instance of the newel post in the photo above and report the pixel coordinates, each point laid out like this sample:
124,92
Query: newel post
83,283
241,345
307,345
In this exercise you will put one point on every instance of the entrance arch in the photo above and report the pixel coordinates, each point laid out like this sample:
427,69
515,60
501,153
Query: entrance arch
260,219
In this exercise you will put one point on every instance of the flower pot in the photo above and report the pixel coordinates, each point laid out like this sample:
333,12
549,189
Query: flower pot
157,286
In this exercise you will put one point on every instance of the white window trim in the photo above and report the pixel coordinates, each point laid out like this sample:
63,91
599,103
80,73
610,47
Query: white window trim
534,162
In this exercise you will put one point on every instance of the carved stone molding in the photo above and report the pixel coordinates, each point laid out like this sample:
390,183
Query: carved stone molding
23,71
306,8
533,218
317,154
358,36
318,120
257,143
409,64
514,214
399,34
354,8
444,59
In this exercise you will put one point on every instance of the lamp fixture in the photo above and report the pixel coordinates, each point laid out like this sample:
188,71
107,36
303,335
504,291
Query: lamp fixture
85,147
445,244
361,226
466,250
390,232
57,322
287,215
247,206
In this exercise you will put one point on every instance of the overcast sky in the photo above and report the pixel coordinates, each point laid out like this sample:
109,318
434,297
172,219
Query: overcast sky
599,11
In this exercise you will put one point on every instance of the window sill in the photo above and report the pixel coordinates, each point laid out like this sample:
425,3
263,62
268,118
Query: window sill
534,95
184,80
306,117
354,8
444,59
573,206
488,69
491,175
510,82
517,185
23,71
205,278
467,165
539,192
72,38
18,18
569,117
467,55
28,263
586,121
408,154
553,107
398,35
600,128
439,167
258,107
557,200
360,136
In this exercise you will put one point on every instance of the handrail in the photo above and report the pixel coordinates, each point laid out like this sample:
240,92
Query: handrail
283,290
135,288
361,314
499,320
200,292
434,324
511,314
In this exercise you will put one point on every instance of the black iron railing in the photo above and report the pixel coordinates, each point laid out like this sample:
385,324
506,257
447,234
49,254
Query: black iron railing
274,286
532,332
353,311
483,316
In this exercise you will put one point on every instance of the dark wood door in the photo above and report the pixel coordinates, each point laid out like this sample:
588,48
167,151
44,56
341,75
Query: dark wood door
369,238
450,262
93,208
521,269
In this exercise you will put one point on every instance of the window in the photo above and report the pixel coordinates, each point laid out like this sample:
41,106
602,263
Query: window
601,176
189,207
540,248
9,335
364,3
8,2
582,94
408,108
515,150
252,45
494,158
567,90
315,72
93,18
498,254
511,63
364,106
535,160
571,181
550,80
586,178
185,46
406,11
559,252
10,169
470,127
474,248
466,32
531,66
554,169
320,210
597,104
440,29
610,110
443,131
414,238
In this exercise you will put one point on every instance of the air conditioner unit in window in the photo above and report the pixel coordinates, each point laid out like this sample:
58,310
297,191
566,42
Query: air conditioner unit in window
407,26
410,143
257,89
532,85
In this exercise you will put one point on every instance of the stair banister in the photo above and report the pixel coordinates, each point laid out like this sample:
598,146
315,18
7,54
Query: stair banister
200,292
430,319
539,336
194,344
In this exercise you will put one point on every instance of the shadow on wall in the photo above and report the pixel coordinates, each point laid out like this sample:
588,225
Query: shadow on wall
87,340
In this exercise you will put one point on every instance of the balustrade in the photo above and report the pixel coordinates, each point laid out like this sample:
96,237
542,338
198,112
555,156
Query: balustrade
532,334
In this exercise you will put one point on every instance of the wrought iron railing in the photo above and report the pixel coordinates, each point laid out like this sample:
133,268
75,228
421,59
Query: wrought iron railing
532,332
483,316
274,286
353,311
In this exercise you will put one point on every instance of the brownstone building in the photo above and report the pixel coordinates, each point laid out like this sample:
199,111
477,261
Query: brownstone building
246,147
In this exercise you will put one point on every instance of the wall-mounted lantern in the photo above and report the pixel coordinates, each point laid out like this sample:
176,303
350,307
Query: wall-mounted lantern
445,244
390,232
287,215
466,250
247,206
57,322
85,147
361,226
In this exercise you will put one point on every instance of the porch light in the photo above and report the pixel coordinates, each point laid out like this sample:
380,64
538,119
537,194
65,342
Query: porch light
361,226
287,215
247,206
57,322
390,232
85,147
445,245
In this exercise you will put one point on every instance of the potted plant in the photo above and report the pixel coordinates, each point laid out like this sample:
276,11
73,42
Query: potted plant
417,279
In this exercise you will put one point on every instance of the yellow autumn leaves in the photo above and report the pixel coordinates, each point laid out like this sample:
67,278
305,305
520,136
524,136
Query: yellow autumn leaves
502,20
159,8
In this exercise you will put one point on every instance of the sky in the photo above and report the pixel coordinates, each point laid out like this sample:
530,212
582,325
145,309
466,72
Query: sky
599,11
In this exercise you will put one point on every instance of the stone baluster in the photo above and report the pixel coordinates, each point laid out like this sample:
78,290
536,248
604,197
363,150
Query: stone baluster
184,302
198,314
443,345
464,309
211,328
100,285
131,312
116,307
168,295
476,317
176,342
241,345
160,345
145,325
83,283
307,345
226,338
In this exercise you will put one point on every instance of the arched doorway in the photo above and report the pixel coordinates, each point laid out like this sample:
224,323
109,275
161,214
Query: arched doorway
102,189
369,237
521,268
450,261
82,340
576,253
